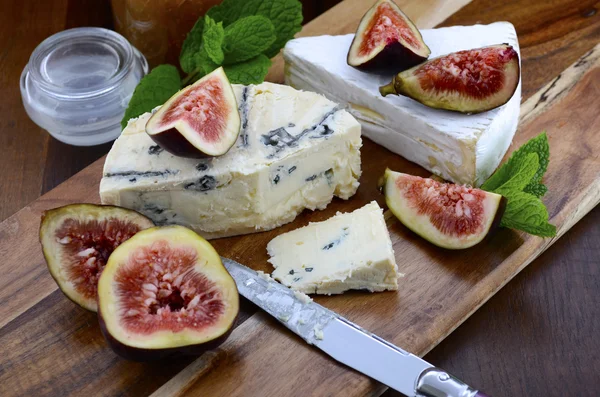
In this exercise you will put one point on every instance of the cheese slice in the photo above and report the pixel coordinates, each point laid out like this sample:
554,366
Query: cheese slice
296,150
349,251
458,147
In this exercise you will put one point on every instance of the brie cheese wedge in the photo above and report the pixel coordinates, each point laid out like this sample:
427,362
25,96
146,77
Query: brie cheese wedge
295,150
458,147
349,251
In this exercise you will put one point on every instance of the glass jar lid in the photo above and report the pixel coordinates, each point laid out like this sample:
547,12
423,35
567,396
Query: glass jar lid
78,83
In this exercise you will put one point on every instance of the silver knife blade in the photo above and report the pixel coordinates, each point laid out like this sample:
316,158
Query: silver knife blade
345,341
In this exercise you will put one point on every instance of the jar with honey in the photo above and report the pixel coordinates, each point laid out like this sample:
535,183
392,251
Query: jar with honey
158,27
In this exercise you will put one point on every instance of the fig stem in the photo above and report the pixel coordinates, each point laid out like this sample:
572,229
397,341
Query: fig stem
190,78
386,90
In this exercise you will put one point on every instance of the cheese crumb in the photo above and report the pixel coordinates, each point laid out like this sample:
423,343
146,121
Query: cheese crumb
318,333
284,318
264,275
302,297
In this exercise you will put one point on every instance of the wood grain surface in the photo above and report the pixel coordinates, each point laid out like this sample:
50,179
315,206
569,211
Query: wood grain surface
44,334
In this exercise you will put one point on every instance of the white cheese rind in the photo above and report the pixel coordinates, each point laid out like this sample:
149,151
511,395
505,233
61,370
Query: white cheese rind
348,251
296,150
461,148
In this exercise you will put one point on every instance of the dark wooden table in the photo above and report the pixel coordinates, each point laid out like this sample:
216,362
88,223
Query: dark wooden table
537,337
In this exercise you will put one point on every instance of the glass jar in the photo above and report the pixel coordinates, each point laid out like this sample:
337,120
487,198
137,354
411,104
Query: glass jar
158,27
78,83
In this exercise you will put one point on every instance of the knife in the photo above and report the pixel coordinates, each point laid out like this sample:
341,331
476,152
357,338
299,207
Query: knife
345,341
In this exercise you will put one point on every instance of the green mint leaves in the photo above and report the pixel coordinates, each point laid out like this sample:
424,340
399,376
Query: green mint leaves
240,35
285,15
527,213
537,145
154,89
519,180
212,40
247,38
252,71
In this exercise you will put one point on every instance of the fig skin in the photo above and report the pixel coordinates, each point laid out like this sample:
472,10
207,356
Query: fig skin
51,261
407,84
163,343
178,130
406,216
175,143
145,355
394,56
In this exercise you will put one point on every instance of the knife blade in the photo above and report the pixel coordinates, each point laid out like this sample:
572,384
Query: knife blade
345,341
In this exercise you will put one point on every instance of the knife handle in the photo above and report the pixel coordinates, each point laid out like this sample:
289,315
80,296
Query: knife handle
434,382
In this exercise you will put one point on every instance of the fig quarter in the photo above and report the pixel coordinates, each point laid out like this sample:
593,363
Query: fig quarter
201,120
470,81
386,41
447,215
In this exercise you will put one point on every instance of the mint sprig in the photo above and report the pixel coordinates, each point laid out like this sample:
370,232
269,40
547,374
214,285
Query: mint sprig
154,89
519,180
286,16
240,35
538,145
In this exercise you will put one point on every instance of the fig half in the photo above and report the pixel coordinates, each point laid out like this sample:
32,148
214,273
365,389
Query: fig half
448,215
470,81
165,292
201,120
386,40
77,240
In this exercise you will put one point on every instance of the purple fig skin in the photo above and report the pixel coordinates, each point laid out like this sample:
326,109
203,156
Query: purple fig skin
144,355
498,217
393,58
173,142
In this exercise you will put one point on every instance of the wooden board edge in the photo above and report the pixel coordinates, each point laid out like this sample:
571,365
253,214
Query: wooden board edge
559,87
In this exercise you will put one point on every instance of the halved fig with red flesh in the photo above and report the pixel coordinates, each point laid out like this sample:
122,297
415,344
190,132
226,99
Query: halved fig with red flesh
448,215
165,292
470,81
201,120
386,40
77,240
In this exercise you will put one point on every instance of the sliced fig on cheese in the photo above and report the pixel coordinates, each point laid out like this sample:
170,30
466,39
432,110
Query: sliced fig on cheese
470,81
448,215
201,120
77,240
166,292
387,40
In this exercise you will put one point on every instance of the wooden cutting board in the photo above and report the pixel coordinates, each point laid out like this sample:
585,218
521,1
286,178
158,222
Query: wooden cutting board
49,346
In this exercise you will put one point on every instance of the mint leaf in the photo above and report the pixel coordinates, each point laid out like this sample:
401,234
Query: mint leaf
247,38
154,89
538,190
201,52
527,213
286,16
212,40
521,176
191,46
538,145
252,71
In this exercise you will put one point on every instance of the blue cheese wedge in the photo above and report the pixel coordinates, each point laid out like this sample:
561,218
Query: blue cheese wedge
295,150
349,251
458,147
